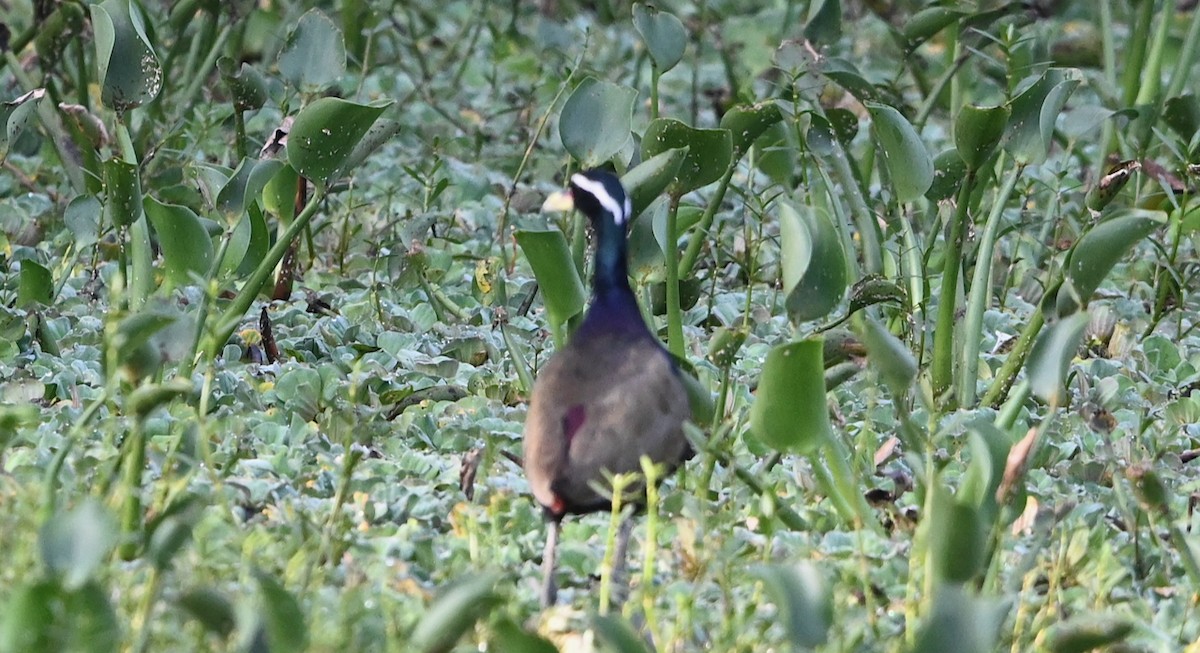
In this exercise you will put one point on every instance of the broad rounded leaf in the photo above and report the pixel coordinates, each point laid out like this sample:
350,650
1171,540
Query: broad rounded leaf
210,608
1182,114
789,412
596,121
663,34
509,637
948,172
76,543
286,627
908,162
616,635
825,23
926,23
245,185
247,86
890,357
651,177
36,285
803,601
747,123
1034,113
315,53
550,257
14,115
325,133
186,247
709,152
960,622
454,612
1098,250
977,132
122,193
126,64
1051,357
814,265
1088,632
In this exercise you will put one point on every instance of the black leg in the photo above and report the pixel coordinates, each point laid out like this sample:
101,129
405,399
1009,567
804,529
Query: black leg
549,592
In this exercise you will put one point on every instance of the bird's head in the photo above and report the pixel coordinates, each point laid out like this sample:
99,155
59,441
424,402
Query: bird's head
596,193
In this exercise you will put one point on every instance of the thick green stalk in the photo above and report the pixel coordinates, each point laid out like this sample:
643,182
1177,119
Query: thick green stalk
654,75
134,464
1149,96
700,231
1135,53
864,218
1187,57
674,313
980,292
1016,358
942,372
237,308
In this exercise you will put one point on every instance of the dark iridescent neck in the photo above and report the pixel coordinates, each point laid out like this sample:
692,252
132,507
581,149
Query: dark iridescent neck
614,306
611,276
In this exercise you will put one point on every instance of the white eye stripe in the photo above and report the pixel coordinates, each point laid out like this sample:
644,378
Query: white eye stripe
601,194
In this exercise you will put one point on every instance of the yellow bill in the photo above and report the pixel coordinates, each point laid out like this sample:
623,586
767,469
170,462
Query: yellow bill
559,201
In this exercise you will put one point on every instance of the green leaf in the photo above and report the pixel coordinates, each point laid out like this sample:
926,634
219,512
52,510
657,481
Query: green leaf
789,412
961,623
615,634
186,247
1051,357
596,121
1088,632
381,131
746,123
957,536
925,24
825,24
122,193
74,544
1034,112
650,178
814,265
890,357
325,133
977,132
36,286
803,601
508,637
550,257
279,194
908,162
1098,251
949,169
246,185
125,62
247,86
28,622
1181,114
14,115
314,55
455,611
663,34
210,608
82,217
709,152
260,240
286,628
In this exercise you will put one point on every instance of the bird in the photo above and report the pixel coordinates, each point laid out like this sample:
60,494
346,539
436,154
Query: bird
612,395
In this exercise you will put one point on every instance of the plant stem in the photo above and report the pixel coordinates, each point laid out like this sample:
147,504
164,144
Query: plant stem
980,291
674,313
1016,358
237,308
943,335
700,231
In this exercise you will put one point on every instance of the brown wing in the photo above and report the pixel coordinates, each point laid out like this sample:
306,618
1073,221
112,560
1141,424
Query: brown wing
600,406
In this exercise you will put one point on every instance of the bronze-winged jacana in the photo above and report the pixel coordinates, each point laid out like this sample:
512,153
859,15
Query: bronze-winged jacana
612,395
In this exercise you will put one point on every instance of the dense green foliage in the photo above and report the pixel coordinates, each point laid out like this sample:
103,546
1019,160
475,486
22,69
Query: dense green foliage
274,286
